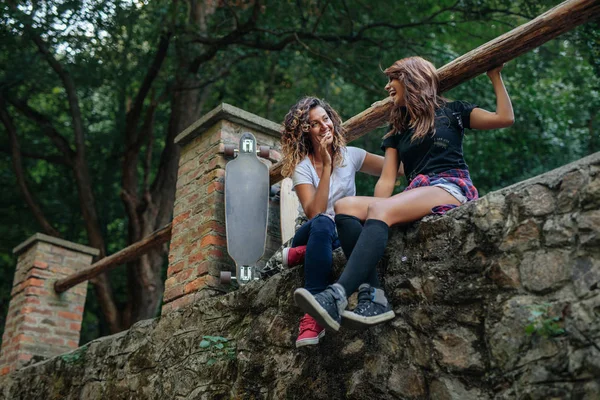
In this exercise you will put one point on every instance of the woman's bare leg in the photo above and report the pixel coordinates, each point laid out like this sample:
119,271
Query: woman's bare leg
357,206
409,206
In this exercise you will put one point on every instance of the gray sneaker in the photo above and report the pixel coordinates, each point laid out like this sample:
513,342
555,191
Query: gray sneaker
372,309
325,307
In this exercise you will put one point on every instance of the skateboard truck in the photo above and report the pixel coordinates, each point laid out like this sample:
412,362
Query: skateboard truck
262,151
247,274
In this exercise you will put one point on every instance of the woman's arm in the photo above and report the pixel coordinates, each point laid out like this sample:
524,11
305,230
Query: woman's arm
385,184
314,200
504,116
372,164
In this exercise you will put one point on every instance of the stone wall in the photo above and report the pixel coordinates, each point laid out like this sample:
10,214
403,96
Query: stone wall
498,299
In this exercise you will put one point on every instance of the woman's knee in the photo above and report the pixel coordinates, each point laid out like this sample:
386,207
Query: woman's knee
350,206
323,223
378,210
342,206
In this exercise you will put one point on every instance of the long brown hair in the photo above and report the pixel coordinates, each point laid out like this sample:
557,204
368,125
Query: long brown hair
295,140
421,85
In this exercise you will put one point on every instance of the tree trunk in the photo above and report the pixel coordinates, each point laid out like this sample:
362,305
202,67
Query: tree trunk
144,276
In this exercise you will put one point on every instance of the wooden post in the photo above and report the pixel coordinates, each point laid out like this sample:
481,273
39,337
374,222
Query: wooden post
126,255
509,46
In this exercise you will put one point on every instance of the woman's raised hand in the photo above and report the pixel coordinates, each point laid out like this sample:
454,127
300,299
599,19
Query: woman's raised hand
323,149
495,70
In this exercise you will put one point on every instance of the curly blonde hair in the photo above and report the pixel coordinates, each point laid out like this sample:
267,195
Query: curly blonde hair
421,85
295,140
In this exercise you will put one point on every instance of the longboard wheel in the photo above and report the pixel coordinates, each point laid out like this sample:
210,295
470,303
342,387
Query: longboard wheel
225,277
229,150
263,151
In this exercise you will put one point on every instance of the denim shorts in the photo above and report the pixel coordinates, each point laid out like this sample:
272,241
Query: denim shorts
451,188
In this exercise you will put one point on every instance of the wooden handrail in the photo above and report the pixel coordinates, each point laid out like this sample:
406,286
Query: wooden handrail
129,253
552,23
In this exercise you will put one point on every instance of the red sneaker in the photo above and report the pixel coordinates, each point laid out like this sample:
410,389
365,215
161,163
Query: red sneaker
293,256
310,332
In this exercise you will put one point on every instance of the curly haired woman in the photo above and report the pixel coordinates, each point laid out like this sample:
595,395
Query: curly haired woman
424,143
322,169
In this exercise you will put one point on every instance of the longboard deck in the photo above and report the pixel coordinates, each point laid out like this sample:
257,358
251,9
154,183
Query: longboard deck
288,209
246,204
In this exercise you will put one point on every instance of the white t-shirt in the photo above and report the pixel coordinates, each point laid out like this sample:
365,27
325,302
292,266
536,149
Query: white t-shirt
341,183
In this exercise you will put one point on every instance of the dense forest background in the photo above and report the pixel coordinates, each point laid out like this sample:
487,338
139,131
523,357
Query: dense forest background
92,93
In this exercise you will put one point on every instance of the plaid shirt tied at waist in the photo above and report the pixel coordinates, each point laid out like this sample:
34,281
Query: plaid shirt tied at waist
459,177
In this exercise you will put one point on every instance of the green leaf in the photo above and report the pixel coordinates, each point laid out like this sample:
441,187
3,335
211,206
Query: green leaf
530,329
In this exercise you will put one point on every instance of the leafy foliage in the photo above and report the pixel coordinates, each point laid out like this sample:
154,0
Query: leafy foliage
543,323
219,348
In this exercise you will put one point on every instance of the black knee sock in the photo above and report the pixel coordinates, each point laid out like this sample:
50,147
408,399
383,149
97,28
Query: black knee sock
348,229
368,251
373,278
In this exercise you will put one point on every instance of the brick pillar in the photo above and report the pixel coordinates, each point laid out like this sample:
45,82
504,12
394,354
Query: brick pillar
41,323
198,250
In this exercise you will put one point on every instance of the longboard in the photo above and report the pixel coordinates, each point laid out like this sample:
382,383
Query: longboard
246,209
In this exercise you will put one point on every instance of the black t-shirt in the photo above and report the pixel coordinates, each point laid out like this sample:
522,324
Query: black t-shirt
439,152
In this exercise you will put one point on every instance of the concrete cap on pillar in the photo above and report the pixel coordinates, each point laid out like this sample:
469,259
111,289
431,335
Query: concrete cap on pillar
230,113
40,237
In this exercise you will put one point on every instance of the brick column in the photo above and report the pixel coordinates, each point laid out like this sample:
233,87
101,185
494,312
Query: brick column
198,250
41,323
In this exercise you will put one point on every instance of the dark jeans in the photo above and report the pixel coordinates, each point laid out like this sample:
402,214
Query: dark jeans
321,239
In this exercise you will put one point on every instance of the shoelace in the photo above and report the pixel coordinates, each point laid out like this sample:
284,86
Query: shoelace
308,323
364,300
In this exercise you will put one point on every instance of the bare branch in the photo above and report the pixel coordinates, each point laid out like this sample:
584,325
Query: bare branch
300,9
47,128
488,10
148,163
52,159
133,115
20,173
316,24
224,71
341,66
69,86
349,17
204,57
147,127
233,13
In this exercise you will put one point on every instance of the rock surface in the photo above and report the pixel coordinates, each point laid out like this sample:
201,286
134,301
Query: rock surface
498,299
